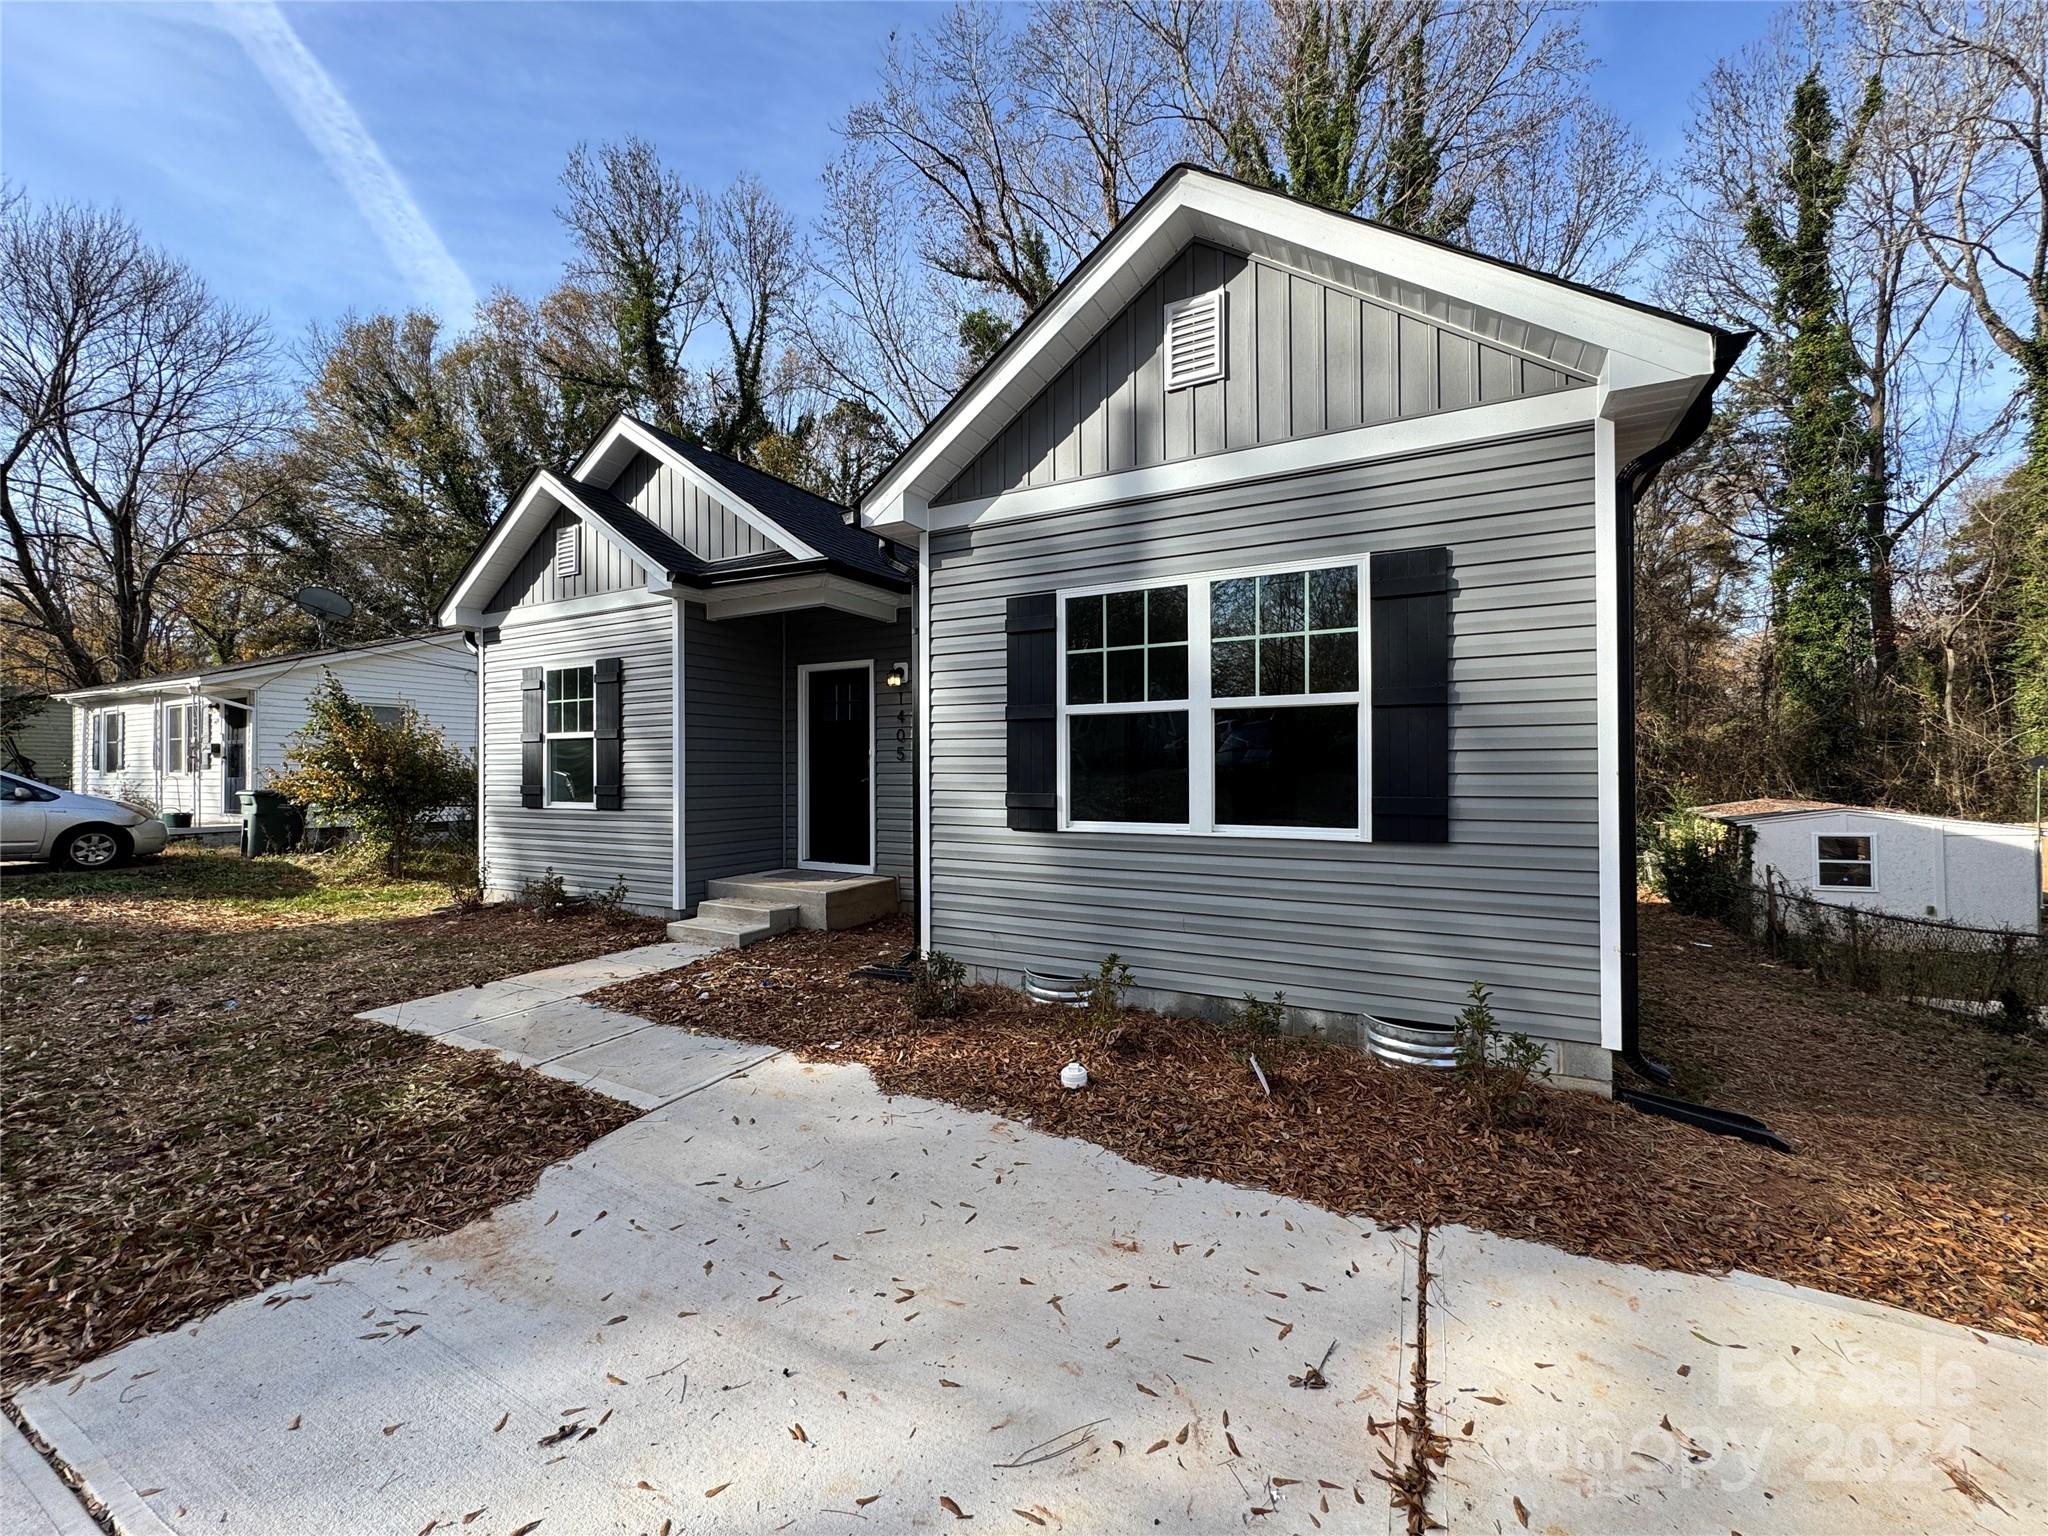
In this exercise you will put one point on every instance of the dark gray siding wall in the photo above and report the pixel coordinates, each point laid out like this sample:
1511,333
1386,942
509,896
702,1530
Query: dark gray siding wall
1301,358
1346,927
588,849
820,635
604,567
734,762
701,524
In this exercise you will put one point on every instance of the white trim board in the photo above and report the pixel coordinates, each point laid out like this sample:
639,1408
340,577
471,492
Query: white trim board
544,494
804,673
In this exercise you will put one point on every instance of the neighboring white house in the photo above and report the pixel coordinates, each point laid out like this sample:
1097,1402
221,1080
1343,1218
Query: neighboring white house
1981,874
194,740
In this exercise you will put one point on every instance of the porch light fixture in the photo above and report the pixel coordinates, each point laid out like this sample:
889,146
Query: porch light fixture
899,674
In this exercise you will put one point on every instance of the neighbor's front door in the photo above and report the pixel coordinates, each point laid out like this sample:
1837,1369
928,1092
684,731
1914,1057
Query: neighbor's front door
234,756
839,744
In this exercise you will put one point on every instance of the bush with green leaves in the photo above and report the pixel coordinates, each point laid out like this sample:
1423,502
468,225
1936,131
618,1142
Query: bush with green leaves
1259,1019
611,901
387,779
1497,1069
1104,991
544,894
1698,864
935,982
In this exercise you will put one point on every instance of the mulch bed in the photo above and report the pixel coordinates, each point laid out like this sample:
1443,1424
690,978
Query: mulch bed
191,1112
1914,1183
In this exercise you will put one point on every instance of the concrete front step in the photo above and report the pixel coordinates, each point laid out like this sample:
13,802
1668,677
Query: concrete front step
822,899
728,922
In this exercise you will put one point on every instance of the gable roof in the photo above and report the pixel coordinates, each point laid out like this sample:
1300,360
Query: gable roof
1652,364
258,670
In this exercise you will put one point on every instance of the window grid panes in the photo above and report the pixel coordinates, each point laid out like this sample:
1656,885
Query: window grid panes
571,716
1284,634
1128,647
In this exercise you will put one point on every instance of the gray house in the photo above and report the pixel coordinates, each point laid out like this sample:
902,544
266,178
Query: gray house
1267,623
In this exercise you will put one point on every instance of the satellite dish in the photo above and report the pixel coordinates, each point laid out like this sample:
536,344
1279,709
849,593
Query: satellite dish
323,603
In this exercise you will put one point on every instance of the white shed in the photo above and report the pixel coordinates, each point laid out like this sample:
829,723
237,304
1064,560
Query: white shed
1982,874
193,741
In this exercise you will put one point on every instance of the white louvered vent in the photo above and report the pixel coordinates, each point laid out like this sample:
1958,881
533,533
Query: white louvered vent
1194,340
568,550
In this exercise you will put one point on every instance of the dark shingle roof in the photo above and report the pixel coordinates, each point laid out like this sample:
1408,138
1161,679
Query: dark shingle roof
640,531
819,523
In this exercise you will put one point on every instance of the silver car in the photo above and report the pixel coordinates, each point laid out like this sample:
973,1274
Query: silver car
38,821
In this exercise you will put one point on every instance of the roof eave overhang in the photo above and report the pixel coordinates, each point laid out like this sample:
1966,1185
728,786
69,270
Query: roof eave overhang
1654,365
627,436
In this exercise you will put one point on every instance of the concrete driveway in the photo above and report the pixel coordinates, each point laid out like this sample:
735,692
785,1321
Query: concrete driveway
784,1302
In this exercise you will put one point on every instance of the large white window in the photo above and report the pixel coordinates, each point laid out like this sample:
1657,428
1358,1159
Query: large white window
1227,703
571,701
1845,863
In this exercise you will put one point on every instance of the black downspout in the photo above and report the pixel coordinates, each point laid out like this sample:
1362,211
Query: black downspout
1629,484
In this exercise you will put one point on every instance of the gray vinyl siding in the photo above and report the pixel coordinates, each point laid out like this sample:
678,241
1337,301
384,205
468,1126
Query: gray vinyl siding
1302,357
735,761
1399,930
589,849
741,705
819,635
603,568
45,740
701,523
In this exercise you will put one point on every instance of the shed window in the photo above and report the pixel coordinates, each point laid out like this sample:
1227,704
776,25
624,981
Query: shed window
570,736
1267,665
1845,863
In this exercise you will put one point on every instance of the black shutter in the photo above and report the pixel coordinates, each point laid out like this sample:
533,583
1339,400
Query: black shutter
608,751
1411,696
1032,713
532,706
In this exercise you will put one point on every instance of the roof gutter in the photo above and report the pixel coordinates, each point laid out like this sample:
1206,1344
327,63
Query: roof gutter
1630,482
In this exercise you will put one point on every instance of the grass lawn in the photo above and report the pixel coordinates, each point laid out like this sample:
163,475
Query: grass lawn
191,1112
1920,1176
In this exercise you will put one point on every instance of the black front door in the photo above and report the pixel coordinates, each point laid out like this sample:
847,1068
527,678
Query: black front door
839,738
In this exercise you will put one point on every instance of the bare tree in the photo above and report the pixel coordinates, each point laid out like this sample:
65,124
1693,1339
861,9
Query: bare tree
758,264
126,389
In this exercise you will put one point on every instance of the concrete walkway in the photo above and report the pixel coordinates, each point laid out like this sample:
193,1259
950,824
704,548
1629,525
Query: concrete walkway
782,1301
33,1499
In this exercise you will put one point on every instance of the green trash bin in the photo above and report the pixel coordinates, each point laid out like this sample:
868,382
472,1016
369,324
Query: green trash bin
267,818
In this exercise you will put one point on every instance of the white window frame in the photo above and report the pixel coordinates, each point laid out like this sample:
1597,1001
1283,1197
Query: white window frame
105,737
549,735
181,736
397,711
803,764
1869,863
1201,706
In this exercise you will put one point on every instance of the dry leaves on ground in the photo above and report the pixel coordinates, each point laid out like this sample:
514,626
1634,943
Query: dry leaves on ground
1911,1184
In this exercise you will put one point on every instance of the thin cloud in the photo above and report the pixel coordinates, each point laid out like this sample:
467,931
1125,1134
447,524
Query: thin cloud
332,126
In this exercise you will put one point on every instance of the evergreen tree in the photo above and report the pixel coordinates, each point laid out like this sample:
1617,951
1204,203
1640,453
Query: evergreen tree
1821,577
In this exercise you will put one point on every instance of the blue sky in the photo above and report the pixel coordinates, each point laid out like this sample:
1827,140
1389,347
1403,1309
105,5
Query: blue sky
221,135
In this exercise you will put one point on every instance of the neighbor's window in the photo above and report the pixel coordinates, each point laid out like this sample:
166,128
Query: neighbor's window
110,740
387,714
176,739
571,714
1845,862
1265,670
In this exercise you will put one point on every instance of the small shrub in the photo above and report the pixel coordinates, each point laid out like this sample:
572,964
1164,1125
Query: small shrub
1700,865
1105,992
362,859
544,894
389,780
935,982
468,882
1259,1019
2014,1014
1498,1070
611,901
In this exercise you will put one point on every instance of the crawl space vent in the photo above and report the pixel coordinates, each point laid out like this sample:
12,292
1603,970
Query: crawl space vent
1194,340
568,550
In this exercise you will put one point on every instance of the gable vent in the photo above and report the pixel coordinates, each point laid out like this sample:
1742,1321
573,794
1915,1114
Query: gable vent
568,550
1194,340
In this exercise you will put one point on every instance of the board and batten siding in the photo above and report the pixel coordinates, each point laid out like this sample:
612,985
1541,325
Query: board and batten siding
602,567
1397,930
1302,357
683,510
589,849
736,762
437,679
